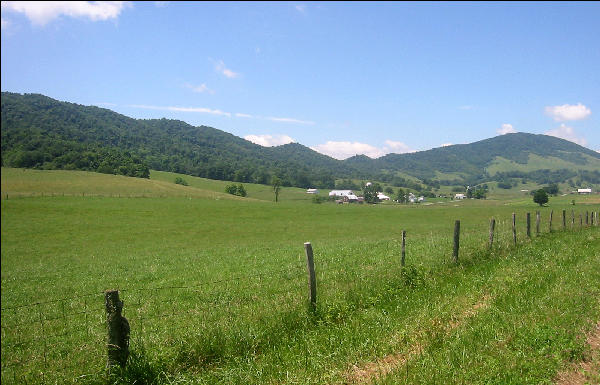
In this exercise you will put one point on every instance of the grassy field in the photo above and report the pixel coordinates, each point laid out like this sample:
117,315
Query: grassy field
215,286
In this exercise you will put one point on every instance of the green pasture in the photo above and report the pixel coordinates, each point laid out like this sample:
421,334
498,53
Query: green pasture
215,286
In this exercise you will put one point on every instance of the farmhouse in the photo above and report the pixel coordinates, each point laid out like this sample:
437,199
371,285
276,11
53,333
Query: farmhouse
584,191
312,191
340,193
459,196
382,197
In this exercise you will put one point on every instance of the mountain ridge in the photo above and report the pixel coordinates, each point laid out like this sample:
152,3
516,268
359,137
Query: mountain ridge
41,132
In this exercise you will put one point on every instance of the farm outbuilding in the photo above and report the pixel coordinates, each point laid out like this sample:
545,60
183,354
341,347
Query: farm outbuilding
584,191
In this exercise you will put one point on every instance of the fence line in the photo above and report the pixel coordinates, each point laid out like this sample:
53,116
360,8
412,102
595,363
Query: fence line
47,330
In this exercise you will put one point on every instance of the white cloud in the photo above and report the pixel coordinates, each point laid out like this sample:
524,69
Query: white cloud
343,150
105,104
161,4
240,115
199,89
290,120
445,144
568,112
566,132
220,67
301,8
182,109
269,140
396,147
465,107
506,129
42,12
5,23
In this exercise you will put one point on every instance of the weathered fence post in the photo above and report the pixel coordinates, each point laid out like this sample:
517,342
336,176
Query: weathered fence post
312,279
587,216
118,330
592,218
514,228
402,261
550,224
572,218
537,223
580,220
492,227
456,241
528,225
564,219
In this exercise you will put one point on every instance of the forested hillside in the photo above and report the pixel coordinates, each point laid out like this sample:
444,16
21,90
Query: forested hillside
40,132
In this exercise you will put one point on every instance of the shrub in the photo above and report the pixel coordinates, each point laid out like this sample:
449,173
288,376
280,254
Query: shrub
181,181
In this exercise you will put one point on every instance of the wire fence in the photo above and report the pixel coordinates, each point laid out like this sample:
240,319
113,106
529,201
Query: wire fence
64,340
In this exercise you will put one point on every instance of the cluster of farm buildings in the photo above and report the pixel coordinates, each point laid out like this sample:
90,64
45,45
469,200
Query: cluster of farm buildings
348,196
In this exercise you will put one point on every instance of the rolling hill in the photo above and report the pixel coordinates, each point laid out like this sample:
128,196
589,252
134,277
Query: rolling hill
40,132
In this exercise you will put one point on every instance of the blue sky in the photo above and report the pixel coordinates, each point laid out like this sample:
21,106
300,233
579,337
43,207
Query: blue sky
341,78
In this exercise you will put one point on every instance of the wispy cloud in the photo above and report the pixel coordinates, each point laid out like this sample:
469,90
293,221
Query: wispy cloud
445,144
301,8
161,4
42,12
199,89
343,150
506,129
290,120
220,67
182,109
5,23
568,112
269,140
466,108
567,133
105,104
240,115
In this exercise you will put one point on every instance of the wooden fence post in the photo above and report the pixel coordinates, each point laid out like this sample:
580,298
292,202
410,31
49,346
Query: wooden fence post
312,279
564,219
580,220
402,261
550,224
528,225
456,240
492,227
572,218
514,228
118,330
537,223
587,216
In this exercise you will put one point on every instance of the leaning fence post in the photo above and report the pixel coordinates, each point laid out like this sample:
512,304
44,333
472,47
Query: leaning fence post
118,330
514,228
402,261
528,225
456,241
550,224
537,223
492,226
312,279
564,219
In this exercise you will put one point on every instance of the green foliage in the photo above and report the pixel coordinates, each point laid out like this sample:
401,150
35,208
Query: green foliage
370,193
551,189
181,181
540,197
389,191
236,189
401,196
276,185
